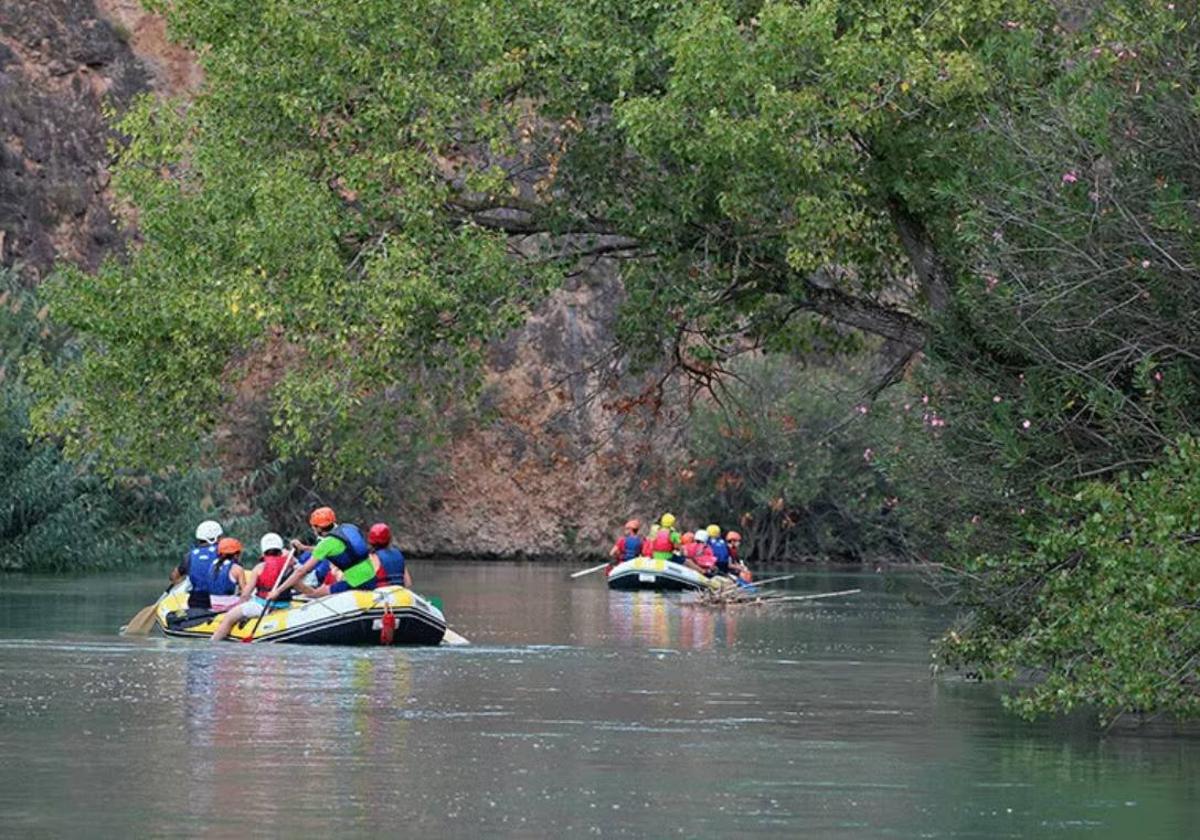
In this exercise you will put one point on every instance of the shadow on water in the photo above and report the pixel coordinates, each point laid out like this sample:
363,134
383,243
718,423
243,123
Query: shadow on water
577,711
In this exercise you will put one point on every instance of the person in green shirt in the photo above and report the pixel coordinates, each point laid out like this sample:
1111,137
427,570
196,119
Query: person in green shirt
342,546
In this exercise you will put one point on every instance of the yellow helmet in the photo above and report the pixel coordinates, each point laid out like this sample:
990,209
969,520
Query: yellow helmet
668,520
714,531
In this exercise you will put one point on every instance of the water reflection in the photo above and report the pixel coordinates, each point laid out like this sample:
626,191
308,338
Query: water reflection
674,621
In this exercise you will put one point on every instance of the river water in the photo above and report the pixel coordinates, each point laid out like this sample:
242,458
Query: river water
577,711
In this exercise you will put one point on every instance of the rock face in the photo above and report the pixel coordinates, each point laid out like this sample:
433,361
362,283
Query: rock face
558,469
62,63
59,63
550,471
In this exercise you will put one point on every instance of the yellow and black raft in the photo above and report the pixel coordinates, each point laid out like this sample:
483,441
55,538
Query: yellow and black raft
356,617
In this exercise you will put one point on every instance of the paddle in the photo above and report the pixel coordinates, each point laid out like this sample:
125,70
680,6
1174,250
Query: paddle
283,571
145,619
811,597
589,571
770,580
452,638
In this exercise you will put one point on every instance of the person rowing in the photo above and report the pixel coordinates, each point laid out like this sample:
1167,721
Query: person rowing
345,549
390,568
257,585
665,541
626,547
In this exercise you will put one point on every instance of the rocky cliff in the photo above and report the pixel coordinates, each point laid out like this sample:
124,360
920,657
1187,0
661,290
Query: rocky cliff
554,469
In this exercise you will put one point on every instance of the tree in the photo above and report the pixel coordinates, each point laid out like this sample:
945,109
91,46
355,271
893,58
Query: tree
353,182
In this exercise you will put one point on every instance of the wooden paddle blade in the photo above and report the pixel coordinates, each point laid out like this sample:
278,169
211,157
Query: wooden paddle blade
142,623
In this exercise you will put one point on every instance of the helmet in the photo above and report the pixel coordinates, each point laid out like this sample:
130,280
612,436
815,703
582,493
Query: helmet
633,524
380,534
702,536
686,538
714,531
271,542
733,536
322,517
209,531
228,546
668,520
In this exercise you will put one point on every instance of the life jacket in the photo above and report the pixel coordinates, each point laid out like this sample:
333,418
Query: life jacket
663,547
720,550
705,559
220,583
391,566
633,547
355,558
200,567
692,550
272,566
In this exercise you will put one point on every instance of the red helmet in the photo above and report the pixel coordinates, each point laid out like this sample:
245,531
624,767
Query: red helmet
733,536
633,525
228,547
322,517
380,534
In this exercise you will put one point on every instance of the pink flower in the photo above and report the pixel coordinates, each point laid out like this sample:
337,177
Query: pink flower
867,454
1158,376
1145,263
1012,24
996,398
975,519
861,408
1070,177
907,406
1025,424
925,399
990,281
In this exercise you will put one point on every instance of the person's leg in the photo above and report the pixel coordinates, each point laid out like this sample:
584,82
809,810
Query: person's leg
230,618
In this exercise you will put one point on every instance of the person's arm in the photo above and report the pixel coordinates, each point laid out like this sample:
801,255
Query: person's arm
248,580
180,571
295,577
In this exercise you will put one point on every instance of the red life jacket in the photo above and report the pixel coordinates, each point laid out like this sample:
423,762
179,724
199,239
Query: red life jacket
662,541
272,565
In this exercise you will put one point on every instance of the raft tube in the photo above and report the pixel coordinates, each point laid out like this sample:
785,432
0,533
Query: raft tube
660,575
347,618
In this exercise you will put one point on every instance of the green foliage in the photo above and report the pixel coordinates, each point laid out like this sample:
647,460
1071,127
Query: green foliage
789,460
1098,604
60,515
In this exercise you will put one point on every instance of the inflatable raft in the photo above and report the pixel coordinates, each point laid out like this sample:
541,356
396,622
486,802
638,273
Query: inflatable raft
661,575
355,617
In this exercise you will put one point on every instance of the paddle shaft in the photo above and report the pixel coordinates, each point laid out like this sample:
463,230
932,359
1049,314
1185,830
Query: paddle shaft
589,571
813,597
285,570
770,580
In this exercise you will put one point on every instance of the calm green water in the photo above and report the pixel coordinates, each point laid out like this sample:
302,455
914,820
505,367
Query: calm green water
577,712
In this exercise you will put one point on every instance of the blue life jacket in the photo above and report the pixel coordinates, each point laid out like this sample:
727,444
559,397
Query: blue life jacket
633,547
356,549
220,583
720,550
200,562
392,561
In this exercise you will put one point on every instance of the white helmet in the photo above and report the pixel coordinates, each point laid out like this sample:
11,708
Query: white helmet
271,542
209,531
702,536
